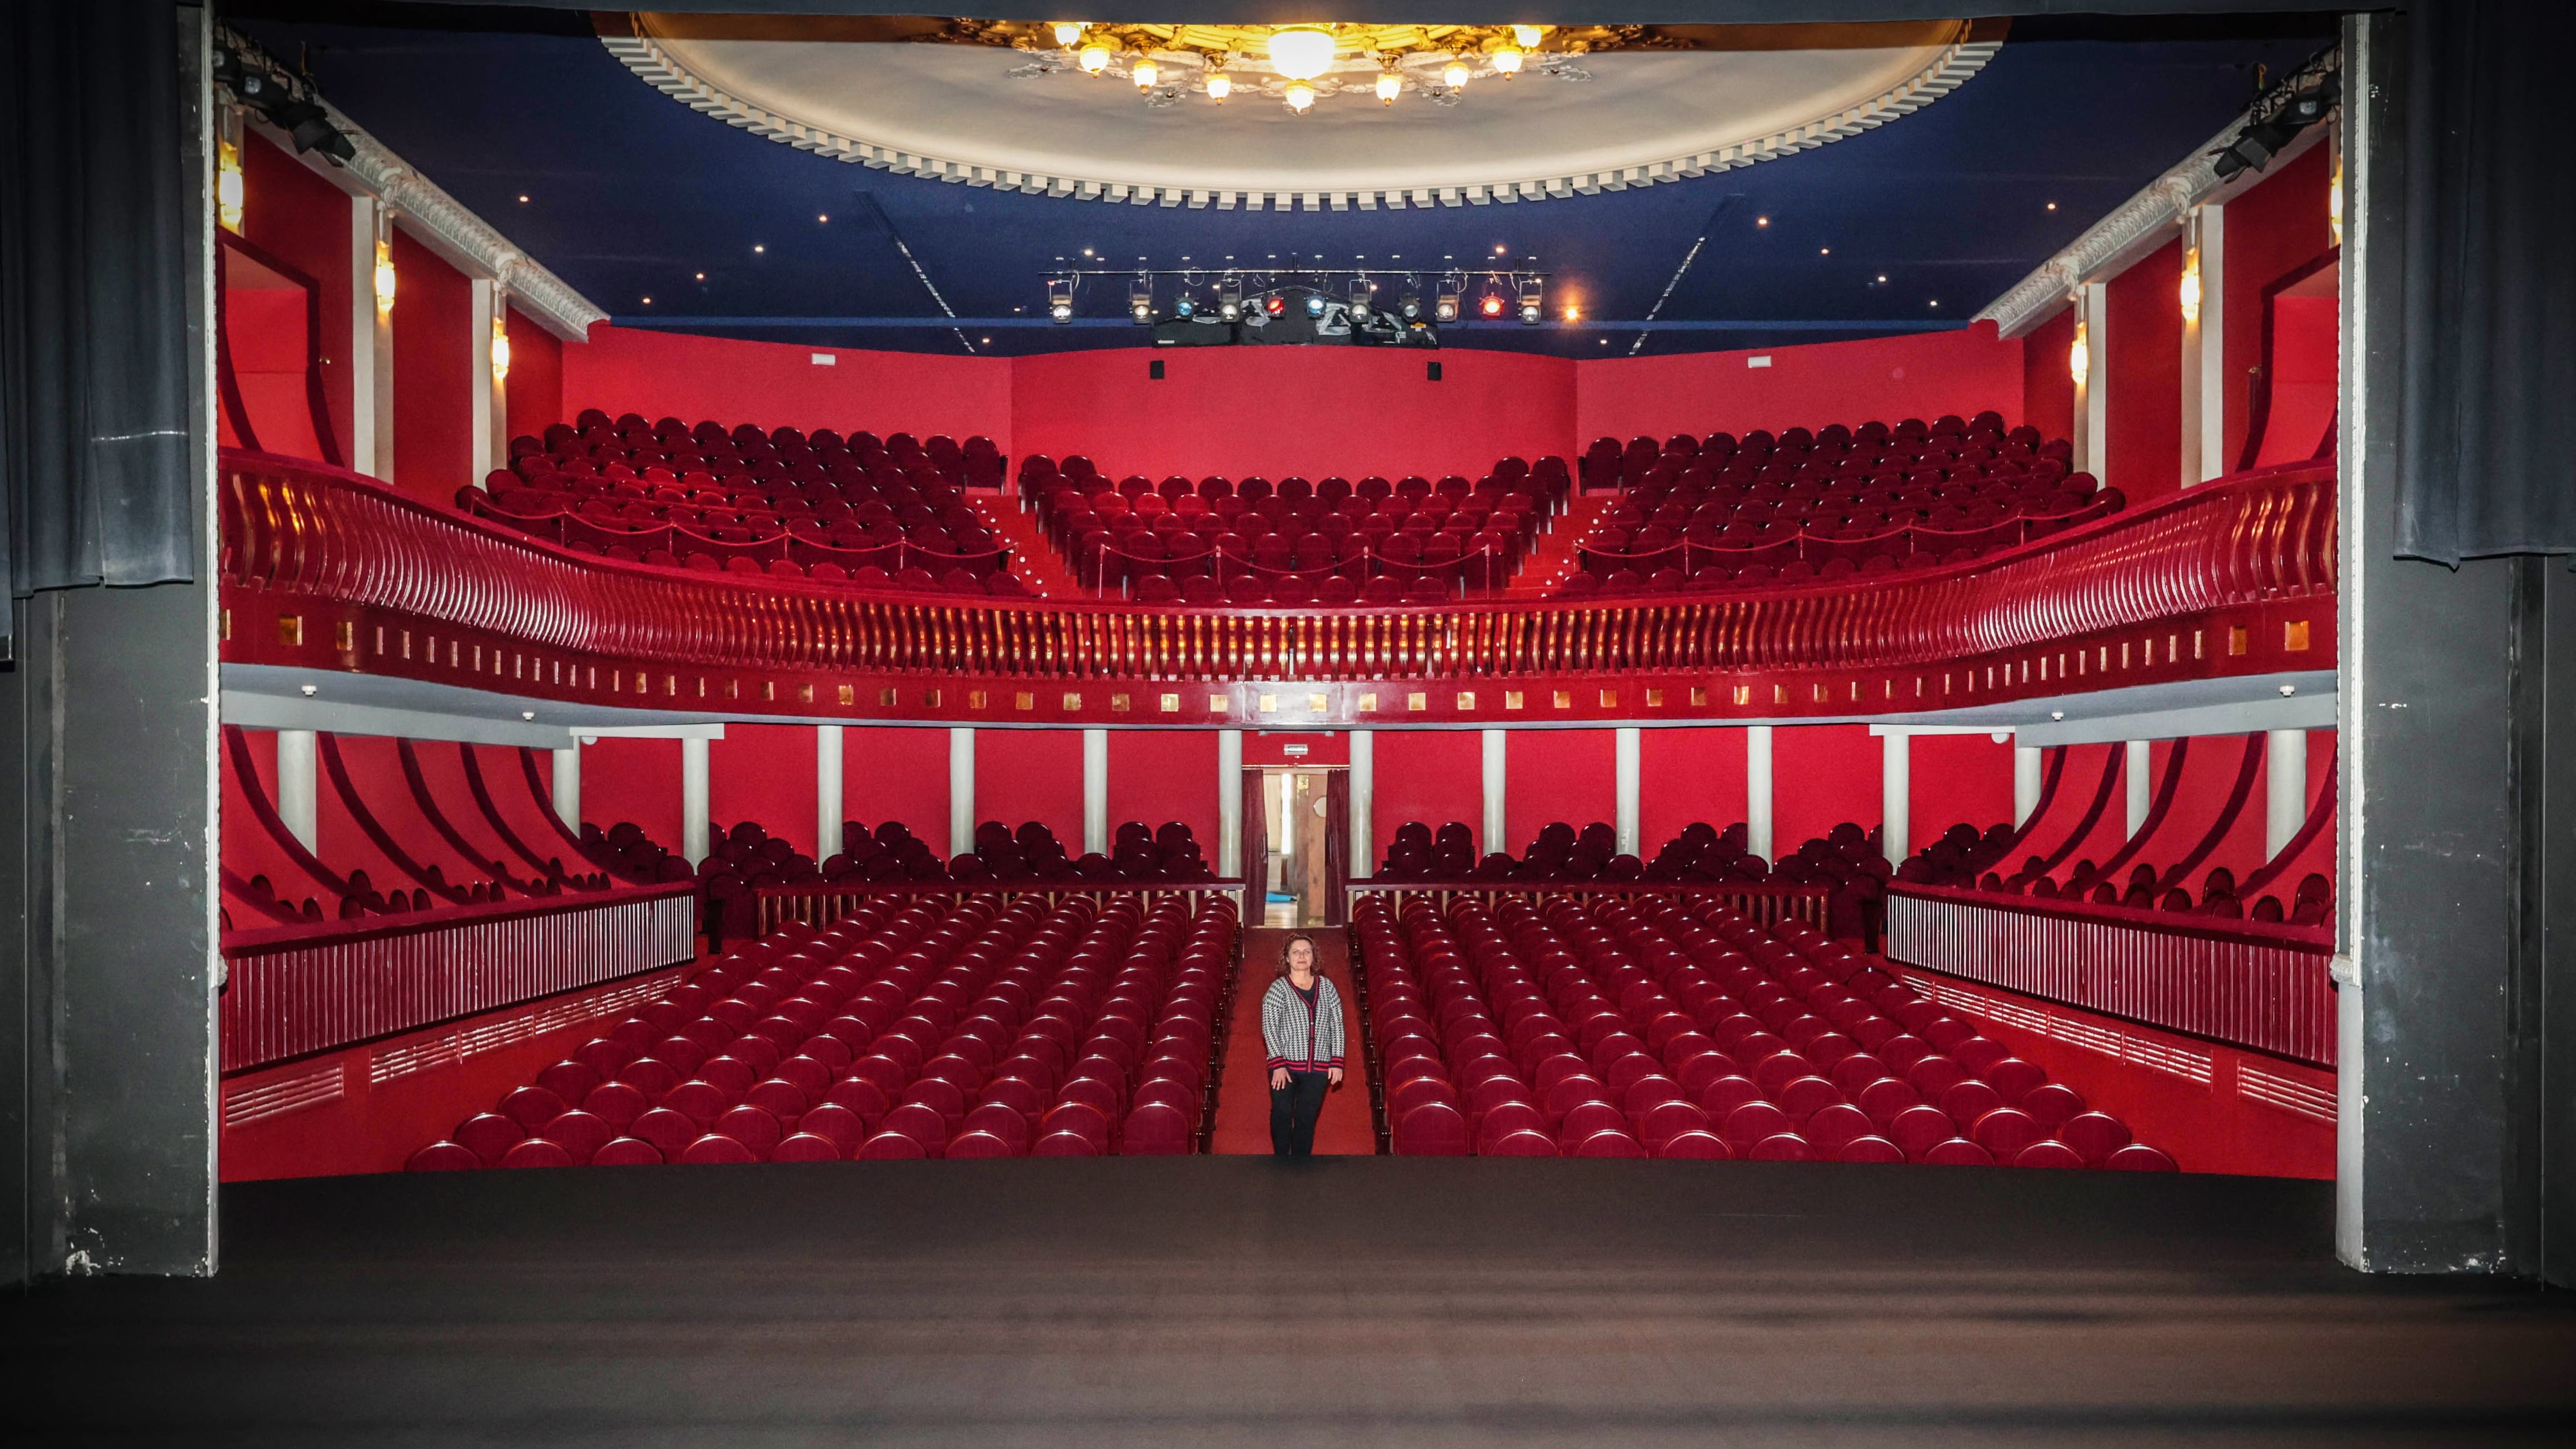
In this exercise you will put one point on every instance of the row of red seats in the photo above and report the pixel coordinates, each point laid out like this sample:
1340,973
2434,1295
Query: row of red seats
1964,858
872,1038
1648,1028
746,451
1874,447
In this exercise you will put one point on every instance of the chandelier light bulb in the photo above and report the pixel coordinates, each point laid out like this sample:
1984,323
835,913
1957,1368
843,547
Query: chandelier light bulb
1508,60
1389,86
384,276
1454,75
1302,52
1527,36
1094,58
2079,357
1147,74
2191,285
1219,86
1067,32
1300,96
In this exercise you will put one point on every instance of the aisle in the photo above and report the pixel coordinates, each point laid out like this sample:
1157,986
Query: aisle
1243,1103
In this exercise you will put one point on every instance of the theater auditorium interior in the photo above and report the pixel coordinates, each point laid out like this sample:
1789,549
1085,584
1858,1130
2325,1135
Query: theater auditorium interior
678,680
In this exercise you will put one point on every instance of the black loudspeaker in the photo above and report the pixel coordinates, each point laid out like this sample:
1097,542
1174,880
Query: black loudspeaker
1154,370
1431,371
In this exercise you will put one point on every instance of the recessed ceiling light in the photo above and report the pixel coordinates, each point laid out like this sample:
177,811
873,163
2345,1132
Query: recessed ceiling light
1882,276
758,249
2052,206
648,301
1936,301
823,216
523,198
702,276
1761,221
1824,251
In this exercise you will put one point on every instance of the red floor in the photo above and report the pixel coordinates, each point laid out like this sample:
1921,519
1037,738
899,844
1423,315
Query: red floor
1243,1103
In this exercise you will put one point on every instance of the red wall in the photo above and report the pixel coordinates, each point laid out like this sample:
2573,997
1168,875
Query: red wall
1821,775
2305,356
764,773
2272,230
776,384
533,392
1887,378
1957,778
624,779
2144,409
1023,775
2075,791
433,373
1552,775
893,773
1686,776
2047,388
1159,775
1434,776
303,221
1312,411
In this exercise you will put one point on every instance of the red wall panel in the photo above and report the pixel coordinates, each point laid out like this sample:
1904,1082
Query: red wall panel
1023,775
1821,775
303,221
893,773
2075,792
533,392
1686,776
2305,357
1159,775
2272,230
777,384
765,773
621,779
1434,776
434,374
1957,778
1887,378
2144,407
2047,388
1312,411
1552,775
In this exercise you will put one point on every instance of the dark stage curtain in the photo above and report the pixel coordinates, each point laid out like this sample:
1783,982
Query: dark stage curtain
95,244
2487,411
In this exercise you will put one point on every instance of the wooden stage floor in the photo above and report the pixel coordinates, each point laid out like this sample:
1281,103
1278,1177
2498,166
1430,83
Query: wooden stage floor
1243,1301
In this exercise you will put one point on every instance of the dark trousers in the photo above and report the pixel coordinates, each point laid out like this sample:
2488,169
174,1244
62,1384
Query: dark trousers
1293,1110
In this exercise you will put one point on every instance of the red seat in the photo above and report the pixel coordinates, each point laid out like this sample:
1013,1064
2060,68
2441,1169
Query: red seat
1806,1096
806,1147
1782,1147
1934,1075
668,1132
700,1101
2004,1132
537,1152
1518,1142
579,1133
1958,1152
443,1157
1967,1101
1750,1123
1724,1094
1695,1146
1837,1125
755,1129
1917,1129
627,1152
489,1136
2047,1154
1870,1149
2051,1103
890,1147
2012,1077
616,1104
1978,1053
1608,1144
2139,1157
715,1148
570,1080
1065,1144
1663,1121
975,1143
1160,1129
2094,1136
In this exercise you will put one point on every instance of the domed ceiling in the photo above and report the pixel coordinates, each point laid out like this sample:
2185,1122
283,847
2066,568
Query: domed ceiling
1468,116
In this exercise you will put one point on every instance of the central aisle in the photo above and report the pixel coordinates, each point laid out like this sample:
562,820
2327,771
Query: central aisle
1243,1102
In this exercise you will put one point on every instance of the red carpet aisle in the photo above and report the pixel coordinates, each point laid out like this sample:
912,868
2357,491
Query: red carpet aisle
1243,1103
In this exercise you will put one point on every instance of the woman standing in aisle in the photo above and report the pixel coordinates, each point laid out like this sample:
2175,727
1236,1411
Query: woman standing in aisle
1301,1024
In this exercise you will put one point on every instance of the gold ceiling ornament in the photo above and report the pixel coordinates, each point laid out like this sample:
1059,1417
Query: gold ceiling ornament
1299,64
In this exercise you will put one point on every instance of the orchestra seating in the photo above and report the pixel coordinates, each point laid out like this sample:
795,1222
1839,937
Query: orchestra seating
859,511
1250,542
982,1026
1646,1027
1730,513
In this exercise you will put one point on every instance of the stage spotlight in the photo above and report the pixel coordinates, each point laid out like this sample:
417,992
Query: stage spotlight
1140,301
1533,298
1410,306
1362,298
1185,306
1445,309
1315,304
1492,305
1229,299
1060,299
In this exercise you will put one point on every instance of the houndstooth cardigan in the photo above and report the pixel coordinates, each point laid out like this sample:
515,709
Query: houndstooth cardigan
1299,1038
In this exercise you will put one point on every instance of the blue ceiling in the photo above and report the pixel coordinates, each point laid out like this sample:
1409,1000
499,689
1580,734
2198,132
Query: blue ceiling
629,195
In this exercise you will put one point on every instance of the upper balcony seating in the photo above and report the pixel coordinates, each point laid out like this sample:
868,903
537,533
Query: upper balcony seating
1538,1027
1294,544
1964,858
1726,513
882,514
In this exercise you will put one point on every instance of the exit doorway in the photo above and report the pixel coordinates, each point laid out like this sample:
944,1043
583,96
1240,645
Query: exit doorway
1297,829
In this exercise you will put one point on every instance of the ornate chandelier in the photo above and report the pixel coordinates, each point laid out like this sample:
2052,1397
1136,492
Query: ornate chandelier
1298,64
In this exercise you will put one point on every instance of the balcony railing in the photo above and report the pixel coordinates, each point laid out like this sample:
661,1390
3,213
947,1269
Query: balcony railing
306,534
2265,988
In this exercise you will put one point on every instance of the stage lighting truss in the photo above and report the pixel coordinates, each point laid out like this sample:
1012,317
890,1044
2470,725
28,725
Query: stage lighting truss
1060,298
1140,301
1319,293
1363,297
260,85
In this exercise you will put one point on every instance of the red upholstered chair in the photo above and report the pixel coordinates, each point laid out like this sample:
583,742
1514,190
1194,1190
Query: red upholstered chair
1835,1125
627,1152
2004,1132
1805,1096
1155,1129
755,1129
1935,1075
1695,1146
443,1157
537,1152
2139,1157
579,1133
806,1147
489,1136
700,1101
570,1080
714,1148
1750,1123
2047,1154
891,1147
1978,1053
1065,1144
1870,1149
1609,1143
1519,1142
1917,1129
616,1104
1967,1101
1782,1147
2012,1077
2051,1103
1432,1129
2093,1135
1958,1152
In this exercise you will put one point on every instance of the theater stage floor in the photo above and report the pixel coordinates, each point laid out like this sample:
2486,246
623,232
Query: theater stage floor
1247,1301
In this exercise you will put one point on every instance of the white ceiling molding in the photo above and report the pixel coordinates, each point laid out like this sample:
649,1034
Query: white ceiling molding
1942,69
2136,228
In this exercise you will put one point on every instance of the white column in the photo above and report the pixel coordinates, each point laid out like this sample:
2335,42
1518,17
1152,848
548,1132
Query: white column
371,348
693,800
961,791
2285,788
1229,805
299,786
2211,458
1497,770
1095,791
1363,803
1757,790
829,809
1895,796
1627,769
490,412
568,785
2093,396
2027,783
2134,771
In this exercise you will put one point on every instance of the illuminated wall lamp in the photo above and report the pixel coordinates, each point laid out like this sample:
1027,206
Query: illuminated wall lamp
384,276
2191,286
2079,356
